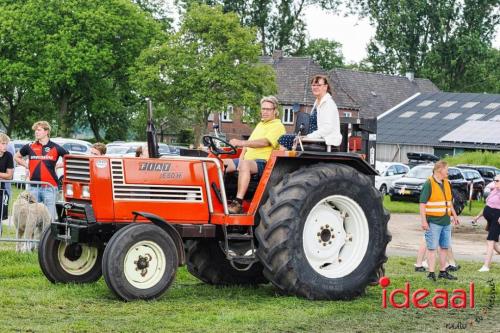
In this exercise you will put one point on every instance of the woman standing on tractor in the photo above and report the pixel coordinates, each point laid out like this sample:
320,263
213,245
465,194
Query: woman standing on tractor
324,122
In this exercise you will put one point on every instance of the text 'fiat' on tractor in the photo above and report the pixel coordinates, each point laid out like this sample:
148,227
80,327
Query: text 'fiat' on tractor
313,225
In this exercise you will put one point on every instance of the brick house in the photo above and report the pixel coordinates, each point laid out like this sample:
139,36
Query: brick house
356,93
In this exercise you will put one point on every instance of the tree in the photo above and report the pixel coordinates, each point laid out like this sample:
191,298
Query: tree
445,40
280,23
211,62
79,45
327,53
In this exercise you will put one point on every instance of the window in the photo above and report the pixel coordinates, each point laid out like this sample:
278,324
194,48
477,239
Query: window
447,104
454,174
211,117
426,103
476,116
492,106
287,118
401,170
226,115
407,114
452,115
429,115
469,105
348,114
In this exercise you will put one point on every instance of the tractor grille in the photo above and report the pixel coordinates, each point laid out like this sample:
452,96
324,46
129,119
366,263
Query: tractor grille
77,169
146,192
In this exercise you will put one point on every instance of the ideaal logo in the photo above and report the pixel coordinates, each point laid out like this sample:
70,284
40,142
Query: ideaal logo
422,298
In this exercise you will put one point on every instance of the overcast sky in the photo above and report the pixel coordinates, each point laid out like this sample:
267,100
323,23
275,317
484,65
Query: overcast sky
353,33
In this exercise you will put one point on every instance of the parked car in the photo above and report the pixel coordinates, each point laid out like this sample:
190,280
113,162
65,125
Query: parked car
128,149
487,172
388,173
74,146
409,187
476,181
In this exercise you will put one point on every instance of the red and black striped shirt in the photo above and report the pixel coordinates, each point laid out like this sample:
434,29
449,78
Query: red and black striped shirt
42,160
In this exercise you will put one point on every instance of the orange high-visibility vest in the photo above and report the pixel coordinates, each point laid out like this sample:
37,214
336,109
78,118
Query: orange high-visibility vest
439,203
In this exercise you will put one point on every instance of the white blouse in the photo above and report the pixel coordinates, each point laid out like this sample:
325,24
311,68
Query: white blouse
328,122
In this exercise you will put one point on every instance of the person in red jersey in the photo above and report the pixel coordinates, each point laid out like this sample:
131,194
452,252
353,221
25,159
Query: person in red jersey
42,163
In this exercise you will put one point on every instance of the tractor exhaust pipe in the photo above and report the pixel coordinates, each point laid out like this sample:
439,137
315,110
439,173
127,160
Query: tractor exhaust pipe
153,149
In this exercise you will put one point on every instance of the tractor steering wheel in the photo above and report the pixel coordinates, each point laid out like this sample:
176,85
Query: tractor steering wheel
209,141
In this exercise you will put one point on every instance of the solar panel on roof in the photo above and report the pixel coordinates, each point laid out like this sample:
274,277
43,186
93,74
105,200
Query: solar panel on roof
485,132
469,105
475,116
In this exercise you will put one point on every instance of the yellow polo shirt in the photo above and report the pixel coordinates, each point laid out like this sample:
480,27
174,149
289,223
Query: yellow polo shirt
270,130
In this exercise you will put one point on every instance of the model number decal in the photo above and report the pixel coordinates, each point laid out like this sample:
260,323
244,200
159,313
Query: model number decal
171,175
152,166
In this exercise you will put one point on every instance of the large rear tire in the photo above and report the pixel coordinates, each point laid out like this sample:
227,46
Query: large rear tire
140,262
207,262
323,233
69,263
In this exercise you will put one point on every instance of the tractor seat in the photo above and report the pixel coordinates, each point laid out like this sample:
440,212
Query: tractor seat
316,145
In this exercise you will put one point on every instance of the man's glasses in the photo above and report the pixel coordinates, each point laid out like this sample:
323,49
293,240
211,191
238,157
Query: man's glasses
267,109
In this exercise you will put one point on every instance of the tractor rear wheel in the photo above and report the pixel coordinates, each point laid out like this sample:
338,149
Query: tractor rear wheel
323,233
140,262
63,262
207,262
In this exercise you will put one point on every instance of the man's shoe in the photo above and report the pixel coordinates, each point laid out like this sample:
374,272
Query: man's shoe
484,269
235,207
446,275
419,269
452,268
431,276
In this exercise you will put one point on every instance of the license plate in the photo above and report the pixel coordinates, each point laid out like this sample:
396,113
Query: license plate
406,192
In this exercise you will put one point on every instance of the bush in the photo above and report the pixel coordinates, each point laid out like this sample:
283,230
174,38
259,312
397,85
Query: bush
476,158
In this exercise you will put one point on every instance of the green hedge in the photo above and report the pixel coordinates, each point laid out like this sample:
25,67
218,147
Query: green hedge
477,158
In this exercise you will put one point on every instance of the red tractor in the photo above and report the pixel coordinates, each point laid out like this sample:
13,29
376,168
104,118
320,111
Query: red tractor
313,225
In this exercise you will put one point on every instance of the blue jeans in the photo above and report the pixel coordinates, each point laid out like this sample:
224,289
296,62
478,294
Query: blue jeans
46,195
438,235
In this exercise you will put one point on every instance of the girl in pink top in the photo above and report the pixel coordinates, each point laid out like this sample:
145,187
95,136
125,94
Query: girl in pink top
491,213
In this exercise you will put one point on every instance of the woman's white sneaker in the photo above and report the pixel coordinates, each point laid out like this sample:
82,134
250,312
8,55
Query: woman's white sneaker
484,269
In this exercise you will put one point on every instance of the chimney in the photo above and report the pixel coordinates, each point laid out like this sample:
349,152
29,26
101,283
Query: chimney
277,55
410,76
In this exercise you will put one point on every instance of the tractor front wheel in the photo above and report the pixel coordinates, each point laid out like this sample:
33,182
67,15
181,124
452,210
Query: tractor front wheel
140,262
323,233
64,262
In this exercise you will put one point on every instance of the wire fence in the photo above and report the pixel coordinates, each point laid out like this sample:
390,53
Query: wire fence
26,209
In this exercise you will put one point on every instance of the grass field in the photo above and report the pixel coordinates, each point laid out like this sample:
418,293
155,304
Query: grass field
404,207
29,303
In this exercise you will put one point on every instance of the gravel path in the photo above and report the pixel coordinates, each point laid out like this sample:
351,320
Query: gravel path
469,242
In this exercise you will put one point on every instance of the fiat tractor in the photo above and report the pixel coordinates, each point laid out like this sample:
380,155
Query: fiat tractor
313,225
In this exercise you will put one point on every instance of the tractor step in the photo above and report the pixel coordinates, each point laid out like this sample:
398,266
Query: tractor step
236,260
236,236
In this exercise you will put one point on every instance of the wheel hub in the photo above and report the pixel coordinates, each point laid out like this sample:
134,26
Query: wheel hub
325,235
144,264
77,259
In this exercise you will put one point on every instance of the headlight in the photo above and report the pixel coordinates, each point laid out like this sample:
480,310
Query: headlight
69,190
85,191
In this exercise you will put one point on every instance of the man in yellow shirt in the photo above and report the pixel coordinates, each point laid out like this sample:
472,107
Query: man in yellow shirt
256,150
